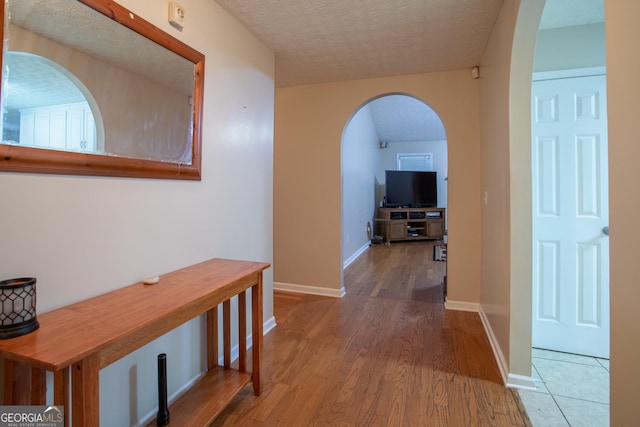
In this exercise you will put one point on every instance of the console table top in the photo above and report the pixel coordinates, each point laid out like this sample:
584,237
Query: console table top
110,325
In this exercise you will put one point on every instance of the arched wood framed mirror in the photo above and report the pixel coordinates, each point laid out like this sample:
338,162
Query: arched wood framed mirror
89,88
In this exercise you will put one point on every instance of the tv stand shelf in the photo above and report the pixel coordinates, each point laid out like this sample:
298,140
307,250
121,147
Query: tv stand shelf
412,223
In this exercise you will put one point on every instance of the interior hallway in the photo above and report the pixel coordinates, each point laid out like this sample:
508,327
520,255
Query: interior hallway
386,354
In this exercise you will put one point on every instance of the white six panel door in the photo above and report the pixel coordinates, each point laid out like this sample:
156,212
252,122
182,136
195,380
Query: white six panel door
570,216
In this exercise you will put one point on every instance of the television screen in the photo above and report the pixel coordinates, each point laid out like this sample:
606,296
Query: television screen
411,189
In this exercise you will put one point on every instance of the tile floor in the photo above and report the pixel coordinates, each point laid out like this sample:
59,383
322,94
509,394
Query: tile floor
571,390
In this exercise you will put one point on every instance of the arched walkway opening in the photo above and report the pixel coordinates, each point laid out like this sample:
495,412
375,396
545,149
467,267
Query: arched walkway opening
47,106
390,132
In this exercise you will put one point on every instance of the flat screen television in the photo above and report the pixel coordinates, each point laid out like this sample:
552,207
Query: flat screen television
411,189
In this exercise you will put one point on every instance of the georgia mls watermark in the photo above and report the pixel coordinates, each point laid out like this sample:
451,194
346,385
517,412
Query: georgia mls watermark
31,416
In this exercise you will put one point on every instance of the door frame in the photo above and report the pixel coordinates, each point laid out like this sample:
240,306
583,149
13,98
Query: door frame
567,74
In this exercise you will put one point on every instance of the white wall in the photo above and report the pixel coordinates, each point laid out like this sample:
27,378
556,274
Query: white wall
566,48
389,161
309,125
359,159
84,236
505,84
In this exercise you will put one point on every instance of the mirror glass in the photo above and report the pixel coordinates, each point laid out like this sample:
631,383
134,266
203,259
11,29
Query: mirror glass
45,106
83,93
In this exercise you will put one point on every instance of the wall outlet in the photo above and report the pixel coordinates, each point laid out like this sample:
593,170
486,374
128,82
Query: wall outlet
177,15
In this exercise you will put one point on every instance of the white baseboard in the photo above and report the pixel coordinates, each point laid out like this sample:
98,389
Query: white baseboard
311,290
268,325
521,382
495,346
462,306
357,253
509,380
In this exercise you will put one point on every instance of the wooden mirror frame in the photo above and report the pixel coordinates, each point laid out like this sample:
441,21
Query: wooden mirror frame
36,160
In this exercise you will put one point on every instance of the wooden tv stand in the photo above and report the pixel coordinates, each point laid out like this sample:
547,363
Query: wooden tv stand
76,341
412,223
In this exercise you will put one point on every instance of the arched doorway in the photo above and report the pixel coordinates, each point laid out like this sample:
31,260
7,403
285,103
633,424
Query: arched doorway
47,106
389,132
570,183
570,263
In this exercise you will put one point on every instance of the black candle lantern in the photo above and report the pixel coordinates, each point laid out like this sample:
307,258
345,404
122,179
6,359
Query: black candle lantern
17,307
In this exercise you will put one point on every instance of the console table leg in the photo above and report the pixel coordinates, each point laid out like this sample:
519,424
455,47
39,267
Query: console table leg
17,383
256,333
24,384
8,383
38,386
212,338
226,332
61,392
85,393
242,331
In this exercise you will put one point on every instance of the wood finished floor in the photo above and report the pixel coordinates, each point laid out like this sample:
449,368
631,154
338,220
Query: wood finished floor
386,354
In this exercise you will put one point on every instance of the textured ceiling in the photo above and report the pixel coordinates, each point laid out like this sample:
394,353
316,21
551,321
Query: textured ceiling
325,41
79,27
75,25
321,41
34,81
401,118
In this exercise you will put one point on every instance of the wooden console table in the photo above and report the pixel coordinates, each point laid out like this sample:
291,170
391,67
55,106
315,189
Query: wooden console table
76,341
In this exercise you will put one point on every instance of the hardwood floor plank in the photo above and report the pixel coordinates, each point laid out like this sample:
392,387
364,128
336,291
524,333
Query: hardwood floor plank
386,354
